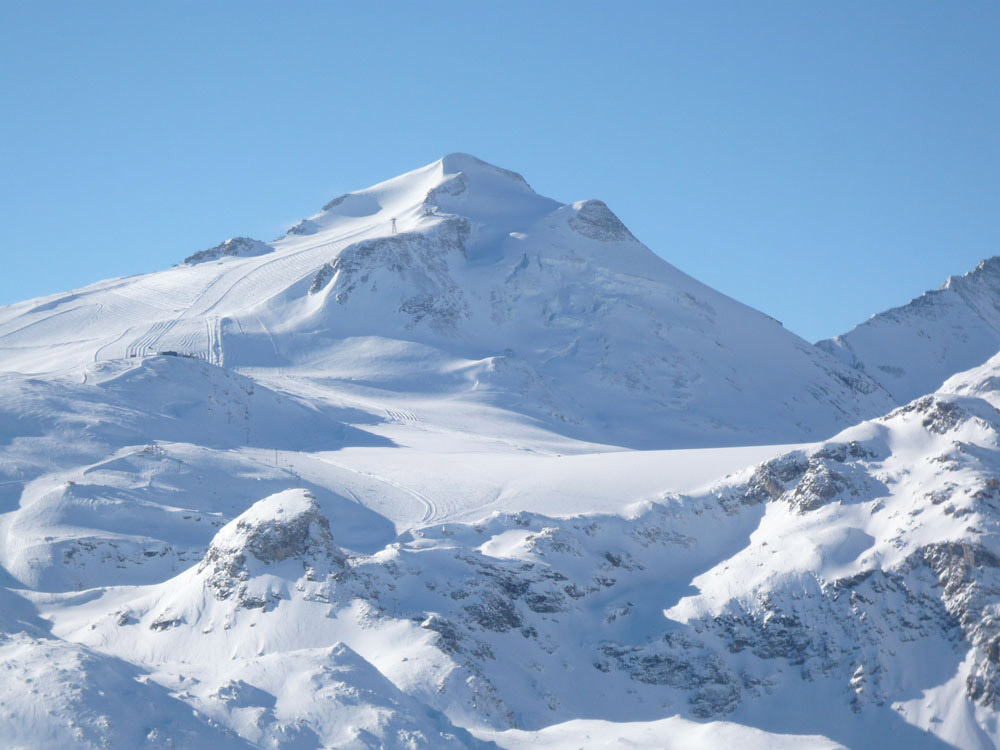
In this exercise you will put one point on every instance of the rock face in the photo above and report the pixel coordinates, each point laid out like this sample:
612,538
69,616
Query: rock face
286,526
595,220
421,260
282,526
900,554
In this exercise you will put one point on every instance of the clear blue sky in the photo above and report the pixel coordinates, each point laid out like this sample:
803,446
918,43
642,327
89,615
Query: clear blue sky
820,161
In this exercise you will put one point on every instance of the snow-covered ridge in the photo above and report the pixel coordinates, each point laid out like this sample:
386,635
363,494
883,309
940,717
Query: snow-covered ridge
912,349
455,184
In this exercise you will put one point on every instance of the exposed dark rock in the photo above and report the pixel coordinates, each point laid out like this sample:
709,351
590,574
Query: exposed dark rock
596,221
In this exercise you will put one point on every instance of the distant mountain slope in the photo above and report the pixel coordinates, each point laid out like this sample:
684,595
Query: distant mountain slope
458,279
912,349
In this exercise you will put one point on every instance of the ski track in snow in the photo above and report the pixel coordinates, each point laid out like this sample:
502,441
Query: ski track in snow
396,415
146,343
274,274
253,281
213,326
428,505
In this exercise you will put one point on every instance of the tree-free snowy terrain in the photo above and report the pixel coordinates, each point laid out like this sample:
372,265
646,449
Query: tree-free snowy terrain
455,465
458,282
911,350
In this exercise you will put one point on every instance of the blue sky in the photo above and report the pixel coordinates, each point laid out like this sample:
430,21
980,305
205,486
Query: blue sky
819,161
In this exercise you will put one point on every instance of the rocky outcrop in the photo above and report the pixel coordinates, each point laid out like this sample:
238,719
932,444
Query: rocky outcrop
243,247
594,220
421,259
287,527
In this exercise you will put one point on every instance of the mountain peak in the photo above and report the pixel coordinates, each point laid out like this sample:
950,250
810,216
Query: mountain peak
457,183
284,525
468,164
985,267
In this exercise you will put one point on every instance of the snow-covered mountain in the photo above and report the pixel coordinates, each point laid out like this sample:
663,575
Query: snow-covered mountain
458,278
858,575
911,350
374,484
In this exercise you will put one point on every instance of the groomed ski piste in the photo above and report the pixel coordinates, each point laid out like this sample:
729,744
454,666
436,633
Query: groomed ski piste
452,464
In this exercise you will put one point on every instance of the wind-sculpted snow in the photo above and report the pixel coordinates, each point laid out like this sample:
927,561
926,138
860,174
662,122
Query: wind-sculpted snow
60,694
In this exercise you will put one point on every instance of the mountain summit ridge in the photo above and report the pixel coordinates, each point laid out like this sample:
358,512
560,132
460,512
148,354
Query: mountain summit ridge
458,181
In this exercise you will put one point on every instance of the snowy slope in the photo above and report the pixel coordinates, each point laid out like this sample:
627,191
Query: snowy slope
373,484
459,279
859,574
911,350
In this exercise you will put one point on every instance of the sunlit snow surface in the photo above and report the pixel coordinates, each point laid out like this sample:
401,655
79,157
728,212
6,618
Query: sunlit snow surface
453,464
